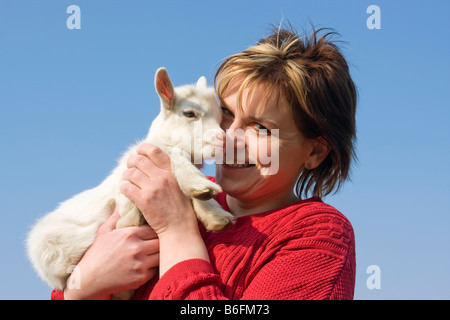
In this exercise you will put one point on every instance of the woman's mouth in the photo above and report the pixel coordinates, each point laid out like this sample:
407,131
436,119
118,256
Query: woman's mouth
239,166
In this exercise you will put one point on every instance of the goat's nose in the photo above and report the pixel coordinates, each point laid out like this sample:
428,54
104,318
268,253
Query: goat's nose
215,137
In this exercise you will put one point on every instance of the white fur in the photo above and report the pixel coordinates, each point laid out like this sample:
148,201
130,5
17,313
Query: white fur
58,240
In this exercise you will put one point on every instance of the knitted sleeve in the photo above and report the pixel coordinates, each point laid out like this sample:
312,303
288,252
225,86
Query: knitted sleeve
57,295
192,279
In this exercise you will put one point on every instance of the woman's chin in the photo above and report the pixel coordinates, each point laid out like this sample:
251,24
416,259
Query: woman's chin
236,180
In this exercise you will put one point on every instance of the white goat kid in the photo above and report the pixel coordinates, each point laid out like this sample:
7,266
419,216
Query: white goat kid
188,122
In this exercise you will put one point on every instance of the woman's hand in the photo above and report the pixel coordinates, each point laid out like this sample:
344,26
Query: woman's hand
151,185
118,260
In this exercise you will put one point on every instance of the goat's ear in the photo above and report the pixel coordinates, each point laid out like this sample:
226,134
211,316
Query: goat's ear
201,82
164,88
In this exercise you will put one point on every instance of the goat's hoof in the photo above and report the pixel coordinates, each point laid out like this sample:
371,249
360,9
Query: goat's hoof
219,223
204,194
222,226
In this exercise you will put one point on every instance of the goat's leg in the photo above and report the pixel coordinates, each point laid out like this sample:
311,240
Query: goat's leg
191,180
211,214
129,213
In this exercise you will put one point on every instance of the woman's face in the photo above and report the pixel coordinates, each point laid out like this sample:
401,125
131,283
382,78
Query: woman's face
290,148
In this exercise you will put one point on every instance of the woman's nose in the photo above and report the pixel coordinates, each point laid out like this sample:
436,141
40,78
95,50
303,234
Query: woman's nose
235,136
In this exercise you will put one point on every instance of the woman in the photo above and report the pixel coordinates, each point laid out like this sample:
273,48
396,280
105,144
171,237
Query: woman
280,247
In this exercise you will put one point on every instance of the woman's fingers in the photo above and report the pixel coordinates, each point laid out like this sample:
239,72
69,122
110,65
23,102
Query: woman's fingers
131,191
144,232
158,157
136,177
151,249
110,224
150,184
140,162
148,156
151,261
141,165
148,160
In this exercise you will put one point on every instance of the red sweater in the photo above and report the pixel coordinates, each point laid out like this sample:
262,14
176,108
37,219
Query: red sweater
305,250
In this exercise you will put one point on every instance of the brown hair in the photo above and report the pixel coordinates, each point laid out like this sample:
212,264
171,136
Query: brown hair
312,75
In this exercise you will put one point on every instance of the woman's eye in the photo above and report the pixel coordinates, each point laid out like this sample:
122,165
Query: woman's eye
189,114
261,129
227,112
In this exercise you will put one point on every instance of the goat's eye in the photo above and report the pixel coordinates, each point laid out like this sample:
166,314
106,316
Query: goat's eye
189,114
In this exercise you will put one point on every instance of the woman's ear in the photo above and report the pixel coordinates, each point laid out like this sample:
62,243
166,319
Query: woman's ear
320,150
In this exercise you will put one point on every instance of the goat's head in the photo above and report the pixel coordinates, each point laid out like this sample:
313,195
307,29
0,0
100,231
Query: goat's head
189,118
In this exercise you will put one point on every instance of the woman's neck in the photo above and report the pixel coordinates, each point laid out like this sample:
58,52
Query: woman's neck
240,208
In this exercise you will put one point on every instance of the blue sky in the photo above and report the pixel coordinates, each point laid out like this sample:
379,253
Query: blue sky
71,101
